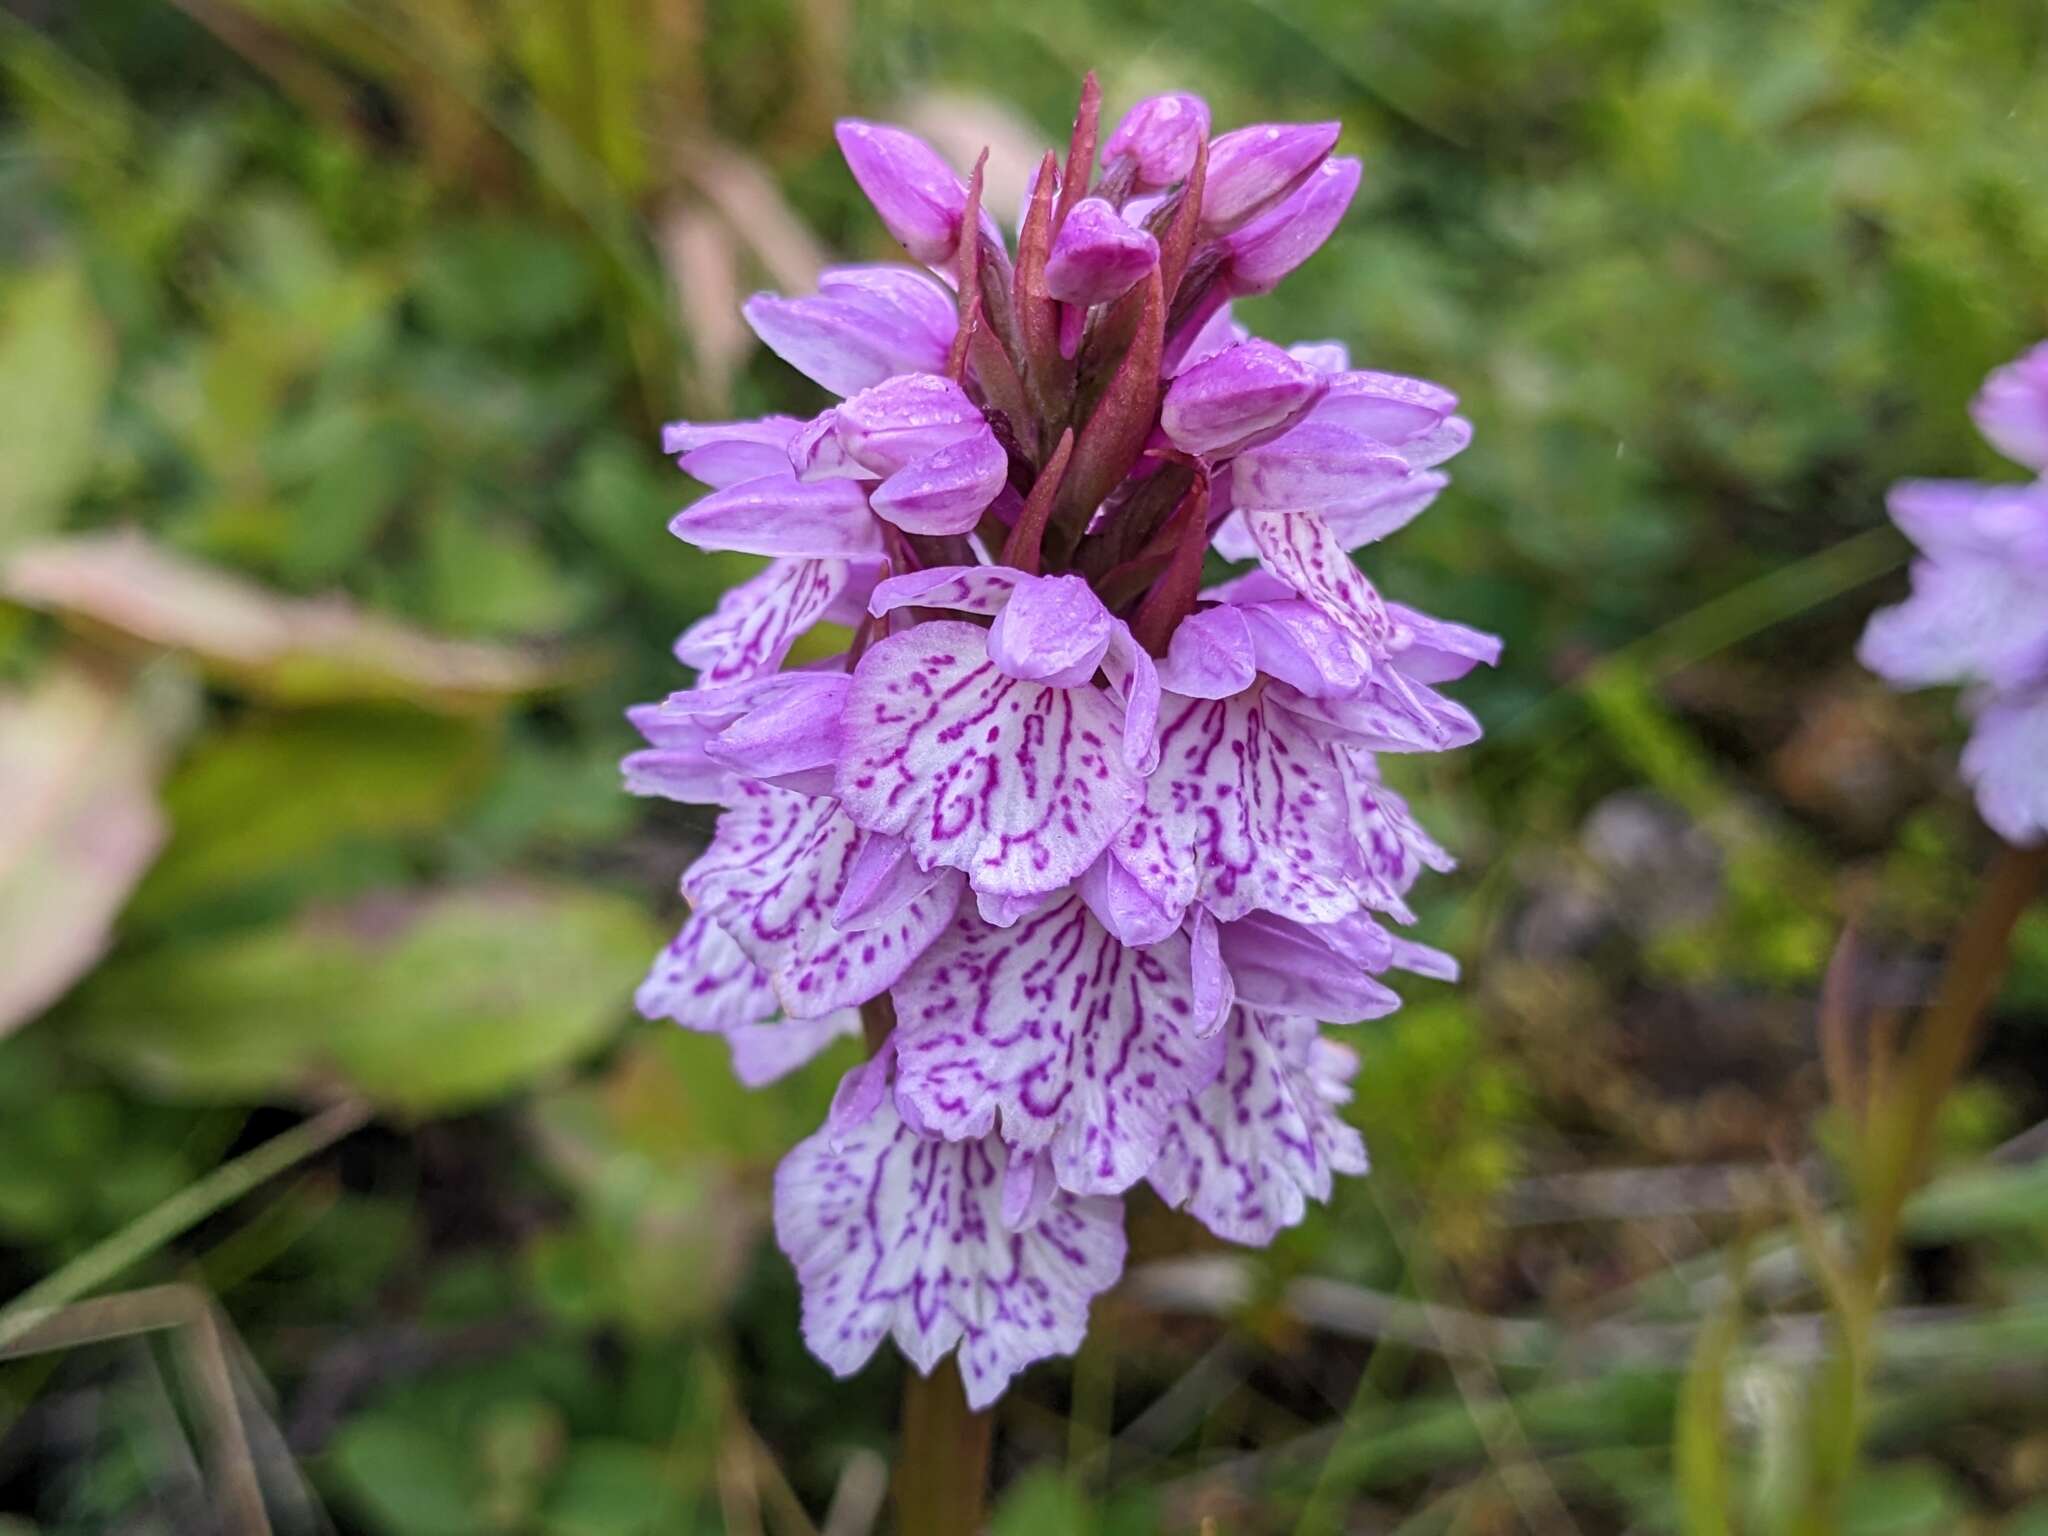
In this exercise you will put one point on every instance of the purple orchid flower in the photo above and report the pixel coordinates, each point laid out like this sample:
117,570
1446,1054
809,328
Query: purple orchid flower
1978,613
1091,853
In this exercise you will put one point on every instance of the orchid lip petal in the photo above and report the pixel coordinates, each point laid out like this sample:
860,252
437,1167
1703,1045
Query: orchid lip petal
1017,784
897,1235
1056,1036
1247,1155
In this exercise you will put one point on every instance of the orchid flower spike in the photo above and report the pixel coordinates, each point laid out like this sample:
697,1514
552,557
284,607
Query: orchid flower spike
1089,854
1978,613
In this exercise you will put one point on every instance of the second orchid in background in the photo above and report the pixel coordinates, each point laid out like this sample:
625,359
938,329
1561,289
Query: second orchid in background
1978,614
1090,843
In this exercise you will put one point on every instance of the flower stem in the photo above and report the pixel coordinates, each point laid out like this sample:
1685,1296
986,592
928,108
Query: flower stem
941,1481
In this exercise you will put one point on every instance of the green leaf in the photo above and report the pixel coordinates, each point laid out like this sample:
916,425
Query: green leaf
258,801
494,278
405,1480
1700,1449
486,990
56,367
491,576
609,1488
427,1004
1915,1498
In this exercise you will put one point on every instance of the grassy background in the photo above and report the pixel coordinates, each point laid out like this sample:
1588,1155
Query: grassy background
373,308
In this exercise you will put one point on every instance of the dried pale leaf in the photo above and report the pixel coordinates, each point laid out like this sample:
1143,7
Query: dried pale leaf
698,249
746,194
79,761
292,650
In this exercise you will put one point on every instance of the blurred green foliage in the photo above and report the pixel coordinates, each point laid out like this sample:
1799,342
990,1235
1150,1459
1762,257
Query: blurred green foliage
373,309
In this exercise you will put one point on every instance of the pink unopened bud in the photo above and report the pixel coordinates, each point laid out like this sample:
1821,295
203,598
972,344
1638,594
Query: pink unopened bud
1242,395
1253,168
904,419
1159,135
920,200
1277,242
1097,256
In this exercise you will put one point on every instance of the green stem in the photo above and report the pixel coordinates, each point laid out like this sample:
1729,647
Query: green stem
941,1481
184,1210
1896,1145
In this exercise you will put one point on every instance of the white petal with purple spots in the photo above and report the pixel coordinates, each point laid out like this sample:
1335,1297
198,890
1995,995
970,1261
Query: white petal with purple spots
1017,784
772,877
1246,1156
1242,813
759,620
1055,1033
896,1234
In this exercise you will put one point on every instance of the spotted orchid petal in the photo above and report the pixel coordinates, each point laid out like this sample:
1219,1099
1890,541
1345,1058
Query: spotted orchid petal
704,981
1389,712
674,765
893,1234
766,1053
1298,549
757,622
919,198
1247,1155
1017,784
1389,408
1966,619
1057,1035
1433,650
1386,850
1123,905
1238,398
791,737
1097,255
1269,247
772,878
1241,814
1052,630
1252,169
978,589
1160,136
947,490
